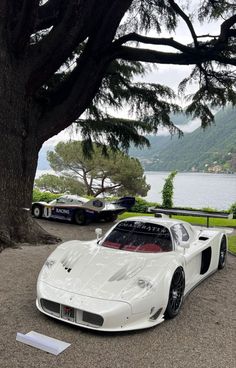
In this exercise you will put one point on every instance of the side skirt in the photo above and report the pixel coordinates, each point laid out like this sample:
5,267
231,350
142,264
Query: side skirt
199,282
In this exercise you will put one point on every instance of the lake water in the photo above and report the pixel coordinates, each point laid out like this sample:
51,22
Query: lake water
197,190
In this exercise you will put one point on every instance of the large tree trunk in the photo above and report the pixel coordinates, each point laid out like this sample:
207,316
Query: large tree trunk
30,110
18,161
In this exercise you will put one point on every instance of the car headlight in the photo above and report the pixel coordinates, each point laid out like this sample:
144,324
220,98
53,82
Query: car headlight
49,263
137,289
144,284
46,269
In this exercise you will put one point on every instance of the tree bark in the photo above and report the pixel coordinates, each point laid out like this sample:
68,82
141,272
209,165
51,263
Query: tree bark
18,161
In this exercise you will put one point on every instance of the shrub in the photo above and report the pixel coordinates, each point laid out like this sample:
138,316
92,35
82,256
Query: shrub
142,206
233,209
39,196
209,209
168,191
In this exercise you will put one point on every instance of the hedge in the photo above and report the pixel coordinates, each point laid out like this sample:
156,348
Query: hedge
39,196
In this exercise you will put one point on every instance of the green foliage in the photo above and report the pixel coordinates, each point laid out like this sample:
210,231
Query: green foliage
149,102
209,209
141,205
232,244
39,196
233,209
168,191
214,9
60,184
152,103
113,173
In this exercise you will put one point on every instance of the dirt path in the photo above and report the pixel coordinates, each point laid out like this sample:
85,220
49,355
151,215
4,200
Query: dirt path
203,335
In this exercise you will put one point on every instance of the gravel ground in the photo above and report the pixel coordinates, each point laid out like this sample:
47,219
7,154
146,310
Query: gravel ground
203,335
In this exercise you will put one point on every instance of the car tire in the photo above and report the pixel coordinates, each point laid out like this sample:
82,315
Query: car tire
80,217
176,294
37,211
223,253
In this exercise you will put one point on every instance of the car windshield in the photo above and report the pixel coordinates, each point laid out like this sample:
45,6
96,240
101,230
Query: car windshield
137,236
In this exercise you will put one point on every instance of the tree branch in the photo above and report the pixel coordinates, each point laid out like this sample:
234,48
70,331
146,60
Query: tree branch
107,30
232,33
86,78
225,29
87,185
3,19
25,24
153,41
225,60
152,56
48,14
106,189
95,20
186,19
51,51
196,56
77,96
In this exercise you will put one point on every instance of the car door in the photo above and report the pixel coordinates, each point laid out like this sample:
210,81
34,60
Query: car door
182,233
61,209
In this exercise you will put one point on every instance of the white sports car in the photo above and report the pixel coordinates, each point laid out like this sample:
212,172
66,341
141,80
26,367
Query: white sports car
133,277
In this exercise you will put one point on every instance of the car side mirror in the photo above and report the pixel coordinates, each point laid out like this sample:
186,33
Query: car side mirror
98,233
184,244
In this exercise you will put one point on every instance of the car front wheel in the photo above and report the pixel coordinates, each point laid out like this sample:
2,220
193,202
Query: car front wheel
175,294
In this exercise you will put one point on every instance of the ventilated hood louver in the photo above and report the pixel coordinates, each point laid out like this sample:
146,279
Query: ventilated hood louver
127,272
70,260
89,269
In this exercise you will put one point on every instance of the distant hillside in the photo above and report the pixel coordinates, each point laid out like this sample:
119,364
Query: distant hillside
212,149
201,150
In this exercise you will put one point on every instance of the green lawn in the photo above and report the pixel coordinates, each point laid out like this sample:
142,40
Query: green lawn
232,244
193,220
196,221
132,214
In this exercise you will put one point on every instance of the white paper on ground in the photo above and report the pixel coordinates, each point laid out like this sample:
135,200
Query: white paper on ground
43,342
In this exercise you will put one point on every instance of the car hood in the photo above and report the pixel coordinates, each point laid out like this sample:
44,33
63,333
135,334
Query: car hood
88,269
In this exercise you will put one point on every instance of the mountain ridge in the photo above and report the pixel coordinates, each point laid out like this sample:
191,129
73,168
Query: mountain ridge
201,150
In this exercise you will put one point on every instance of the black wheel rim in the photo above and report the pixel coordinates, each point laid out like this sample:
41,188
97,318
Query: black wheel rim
222,253
176,290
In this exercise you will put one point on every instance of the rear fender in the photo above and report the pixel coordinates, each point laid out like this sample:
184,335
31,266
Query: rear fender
94,205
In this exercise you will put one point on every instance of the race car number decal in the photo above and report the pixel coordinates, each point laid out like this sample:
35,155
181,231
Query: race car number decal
47,212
